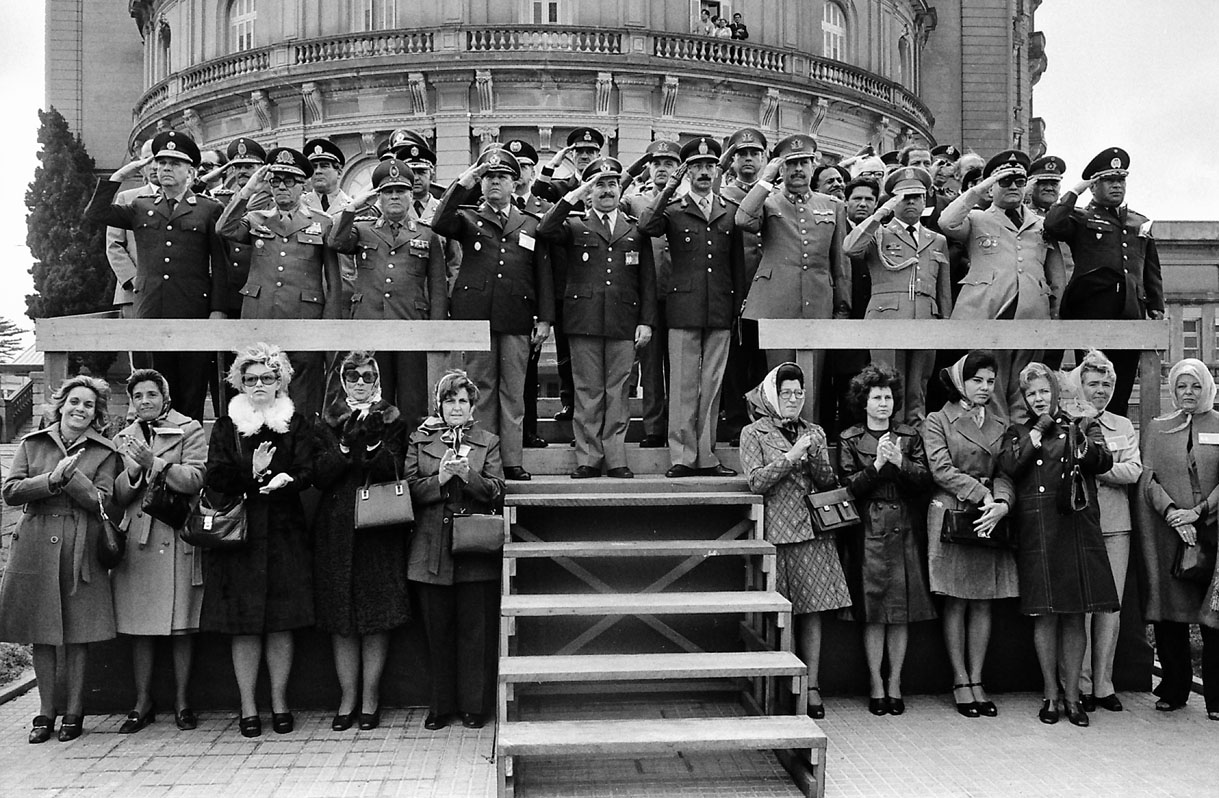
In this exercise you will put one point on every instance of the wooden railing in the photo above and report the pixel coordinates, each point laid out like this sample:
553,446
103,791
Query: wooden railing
15,410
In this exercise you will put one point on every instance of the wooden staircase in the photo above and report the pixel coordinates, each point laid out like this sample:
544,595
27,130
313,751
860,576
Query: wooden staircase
640,552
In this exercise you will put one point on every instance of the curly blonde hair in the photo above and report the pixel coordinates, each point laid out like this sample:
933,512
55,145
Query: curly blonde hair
268,355
101,408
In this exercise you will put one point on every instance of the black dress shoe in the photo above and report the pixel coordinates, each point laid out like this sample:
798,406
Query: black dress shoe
653,442
897,706
1076,714
1163,705
1049,712
968,709
620,473
1088,702
585,472
135,721
250,726
343,722
987,708
517,474
435,722
1109,702
370,720
879,706
678,471
71,727
535,442
185,719
564,413
282,722
472,720
41,732
717,471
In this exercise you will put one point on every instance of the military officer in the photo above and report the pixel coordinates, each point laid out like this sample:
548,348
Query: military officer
293,274
805,273
398,145
244,156
1117,268
422,161
1045,183
506,279
607,314
583,145
180,265
1014,271
327,161
663,159
399,275
909,272
704,290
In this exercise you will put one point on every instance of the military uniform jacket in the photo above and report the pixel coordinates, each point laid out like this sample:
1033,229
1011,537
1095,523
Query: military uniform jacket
804,273
751,241
708,266
237,256
1108,246
397,276
180,271
909,276
505,274
1006,264
609,285
553,190
636,205
293,274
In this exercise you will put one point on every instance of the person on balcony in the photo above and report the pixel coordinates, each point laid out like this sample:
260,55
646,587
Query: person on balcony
739,30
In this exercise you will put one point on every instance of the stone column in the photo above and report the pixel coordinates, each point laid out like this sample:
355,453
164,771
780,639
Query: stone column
636,113
452,124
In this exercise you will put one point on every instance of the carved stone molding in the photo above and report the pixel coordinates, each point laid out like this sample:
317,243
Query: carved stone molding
193,124
314,105
817,113
487,134
544,135
769,112
163,125
668,97
368,142
482,79
263,108
605,86
418,88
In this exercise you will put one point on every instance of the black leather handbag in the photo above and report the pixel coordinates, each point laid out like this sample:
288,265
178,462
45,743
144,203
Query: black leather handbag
832,510
1195,563
478,534
164,504
958,527
112,542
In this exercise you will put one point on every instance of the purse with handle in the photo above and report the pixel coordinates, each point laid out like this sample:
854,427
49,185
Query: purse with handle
384,503
217,526
832,510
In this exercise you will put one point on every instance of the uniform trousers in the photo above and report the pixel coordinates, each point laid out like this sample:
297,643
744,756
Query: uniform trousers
697,358
600,370
654,374
187,374
812,363
404,384
460,622
308,387
915,367
500,377
746,369
531,392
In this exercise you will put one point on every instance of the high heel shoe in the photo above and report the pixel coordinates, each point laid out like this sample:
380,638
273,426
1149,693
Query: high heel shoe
816,711
343,722
897,706
987,708
1049,712
186,719
43,727
250,726
135,721
282,722
370,720
1076,714
71,727
968,709
879,706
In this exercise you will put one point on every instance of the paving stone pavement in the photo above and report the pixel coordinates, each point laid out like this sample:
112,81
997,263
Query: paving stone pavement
930,751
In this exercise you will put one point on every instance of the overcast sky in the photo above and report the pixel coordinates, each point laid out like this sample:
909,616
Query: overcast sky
1138,75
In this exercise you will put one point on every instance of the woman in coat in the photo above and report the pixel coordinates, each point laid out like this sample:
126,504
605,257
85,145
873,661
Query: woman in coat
158,587
962,440
359,574
454,467
884,465
786,458
54,591
262,451
1178,504
1061,561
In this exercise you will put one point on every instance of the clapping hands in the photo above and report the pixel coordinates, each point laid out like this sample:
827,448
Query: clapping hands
887,451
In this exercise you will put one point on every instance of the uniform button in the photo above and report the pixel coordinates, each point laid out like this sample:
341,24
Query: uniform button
803,232
502,250
279,285
1038,462
167,260
607,282
280,268
1041,489
609,271
283,254
708,270
609,260
611,249
1020,259
501,263
236,249
447,520
806,242
285,240
54,538
164,276
805,268
1021,271
389,266
499,275
387,294
708,254
389,279
169,243
393,252
1124,244
169,227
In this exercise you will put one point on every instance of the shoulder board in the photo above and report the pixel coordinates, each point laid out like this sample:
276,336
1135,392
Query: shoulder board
424,224
730,201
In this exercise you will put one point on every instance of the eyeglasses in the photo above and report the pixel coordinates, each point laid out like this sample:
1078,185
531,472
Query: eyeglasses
282,180
250,380
1008,182
366,377
791,394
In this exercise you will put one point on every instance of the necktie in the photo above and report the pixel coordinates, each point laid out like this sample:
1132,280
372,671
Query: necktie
519,200
605,220
171,204
913,231
325,202
418,208
394,228
705,204
1014,215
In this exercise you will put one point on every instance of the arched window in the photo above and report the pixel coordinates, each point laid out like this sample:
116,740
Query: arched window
834,32
164,39
376,15
242,14
905,63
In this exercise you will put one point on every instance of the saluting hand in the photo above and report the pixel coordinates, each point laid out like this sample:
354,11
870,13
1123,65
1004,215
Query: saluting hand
581,192
561,155
256,183
675,179
1083,186
473,174
771,170
130,169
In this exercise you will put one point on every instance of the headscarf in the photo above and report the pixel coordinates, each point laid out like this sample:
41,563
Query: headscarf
361,408
1035,371
1206,401
763,401
1070,385
955,374
158,379
437,423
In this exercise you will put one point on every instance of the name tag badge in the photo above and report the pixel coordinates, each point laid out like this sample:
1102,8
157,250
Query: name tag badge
632,259
1118,442
526,241
314,229
1209,438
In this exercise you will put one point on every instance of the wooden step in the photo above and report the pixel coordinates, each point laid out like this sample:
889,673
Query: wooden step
630,667
617,499
559,459
537,605
642,483
638,548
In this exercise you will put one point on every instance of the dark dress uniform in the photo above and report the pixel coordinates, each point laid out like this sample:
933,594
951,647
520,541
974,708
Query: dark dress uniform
293,275
399,274
506,279
529,203
746,362
601,309
654,365
180,273
702,293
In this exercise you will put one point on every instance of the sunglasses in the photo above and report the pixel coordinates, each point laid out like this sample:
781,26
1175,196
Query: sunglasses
1008,182
250,380
279,180
366,377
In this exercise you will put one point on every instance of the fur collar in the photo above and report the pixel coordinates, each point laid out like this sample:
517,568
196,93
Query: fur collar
248,420
339,411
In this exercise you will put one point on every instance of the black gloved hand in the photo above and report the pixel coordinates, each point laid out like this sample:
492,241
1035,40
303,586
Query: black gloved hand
351,432
373,427
1045,423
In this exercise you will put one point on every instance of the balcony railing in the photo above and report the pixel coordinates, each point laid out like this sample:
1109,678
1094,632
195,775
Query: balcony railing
720,51
531,38
223,69
363,45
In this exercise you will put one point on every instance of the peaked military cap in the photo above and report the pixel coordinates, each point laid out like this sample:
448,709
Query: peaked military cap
415,154
908,180
392,173
797,146
602,167
1047,167
244,150
324,150
891,158
1007,161
586,137
664,148
500,161
970,177
172,144
287,161
1111,162
523,150
747,138
946,151
700,149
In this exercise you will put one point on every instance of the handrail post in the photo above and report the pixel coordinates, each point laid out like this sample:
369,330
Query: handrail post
1150,369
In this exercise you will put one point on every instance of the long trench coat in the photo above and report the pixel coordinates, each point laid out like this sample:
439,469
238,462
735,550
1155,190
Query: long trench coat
54,590
158,587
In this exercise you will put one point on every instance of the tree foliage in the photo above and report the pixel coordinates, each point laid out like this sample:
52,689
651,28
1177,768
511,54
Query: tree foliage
10,339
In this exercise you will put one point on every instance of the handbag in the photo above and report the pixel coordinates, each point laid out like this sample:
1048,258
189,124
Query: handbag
958,527
384,503
165,504
1072,496
112,542
217,526
832,510
478,533
1195,563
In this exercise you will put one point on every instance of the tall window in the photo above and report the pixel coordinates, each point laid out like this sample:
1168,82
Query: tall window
376,14
834,32
1191,339
905,63
544,12
242,14
164,39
